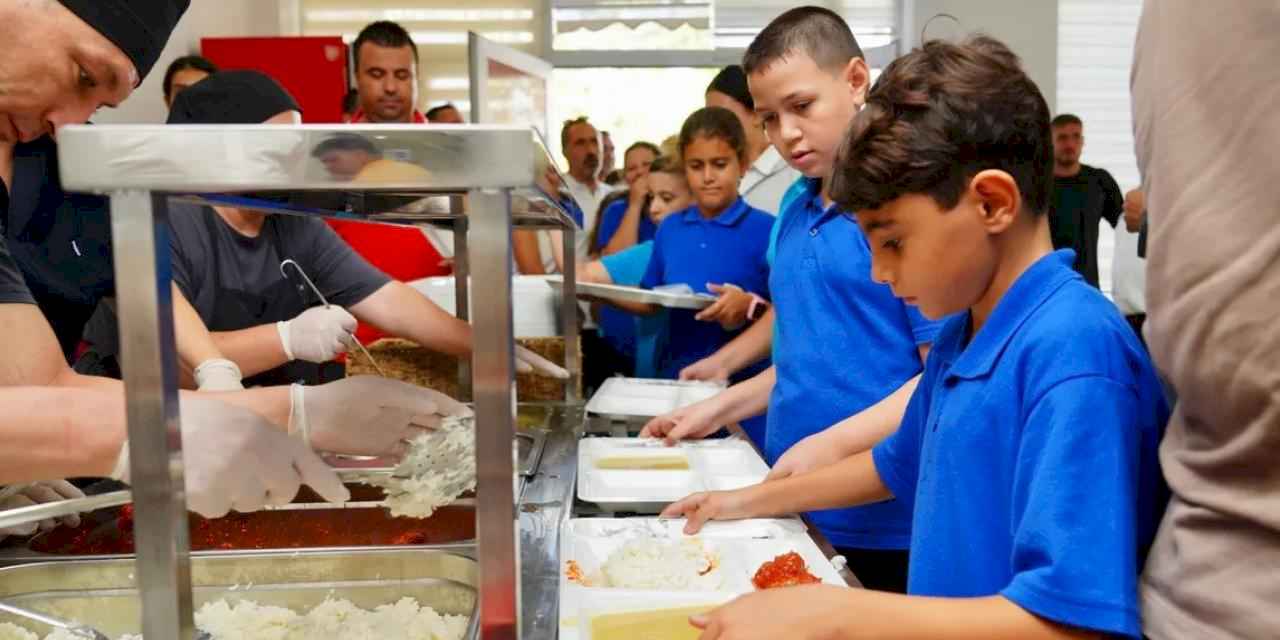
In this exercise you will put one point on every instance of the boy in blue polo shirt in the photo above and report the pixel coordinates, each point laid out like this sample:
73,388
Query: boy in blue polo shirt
1029,447
843,344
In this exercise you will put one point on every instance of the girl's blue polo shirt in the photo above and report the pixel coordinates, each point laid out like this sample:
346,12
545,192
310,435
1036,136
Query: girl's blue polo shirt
842,342
689,249
627,267
1031,455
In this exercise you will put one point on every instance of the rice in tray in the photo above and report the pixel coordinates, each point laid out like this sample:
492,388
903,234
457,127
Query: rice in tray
684,565
330,620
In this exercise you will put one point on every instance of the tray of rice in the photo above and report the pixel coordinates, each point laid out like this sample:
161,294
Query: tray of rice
643,475
389,595
656,571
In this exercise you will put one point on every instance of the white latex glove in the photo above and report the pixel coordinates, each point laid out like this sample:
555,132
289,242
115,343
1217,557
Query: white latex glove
233,459
530,362
218,374
367,415
40,493
318,334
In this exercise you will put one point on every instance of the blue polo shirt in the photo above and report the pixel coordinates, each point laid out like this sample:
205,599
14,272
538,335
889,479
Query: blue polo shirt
618,327
1031,456
689,249
611,219
627,267
842,342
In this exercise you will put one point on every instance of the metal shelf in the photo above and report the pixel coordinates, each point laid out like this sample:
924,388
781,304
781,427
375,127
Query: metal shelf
494,179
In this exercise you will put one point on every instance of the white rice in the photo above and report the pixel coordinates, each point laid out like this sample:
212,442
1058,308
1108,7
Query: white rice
684,565
330,620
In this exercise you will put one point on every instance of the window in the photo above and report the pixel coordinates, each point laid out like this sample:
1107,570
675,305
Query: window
1095,53
644,103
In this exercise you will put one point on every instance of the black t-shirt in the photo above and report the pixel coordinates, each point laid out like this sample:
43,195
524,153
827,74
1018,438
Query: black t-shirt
13,288
61,241
1080,203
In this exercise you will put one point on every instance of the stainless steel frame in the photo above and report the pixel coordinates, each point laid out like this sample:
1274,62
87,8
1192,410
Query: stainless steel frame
278,169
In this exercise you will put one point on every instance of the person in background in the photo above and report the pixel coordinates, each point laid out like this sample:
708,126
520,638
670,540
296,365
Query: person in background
721,240
183,73
622,221
607,160
769,175
668,193
825,302
65,60
1128,269
228,262
1033,477
446,113
1083,196
386,63
350,104
1204,87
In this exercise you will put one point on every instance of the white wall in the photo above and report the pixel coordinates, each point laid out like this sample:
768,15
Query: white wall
1029,27
205,18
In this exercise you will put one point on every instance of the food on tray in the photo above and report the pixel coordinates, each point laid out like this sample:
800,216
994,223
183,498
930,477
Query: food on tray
661,624
573,571
786,570
665,462
443,467
646,563
331,619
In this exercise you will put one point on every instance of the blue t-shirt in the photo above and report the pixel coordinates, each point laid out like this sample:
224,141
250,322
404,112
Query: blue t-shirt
616,326
1031,456
611,219
627,267
692,250
842,342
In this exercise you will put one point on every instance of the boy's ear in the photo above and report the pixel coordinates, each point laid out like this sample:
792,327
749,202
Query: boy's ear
998,200
858,75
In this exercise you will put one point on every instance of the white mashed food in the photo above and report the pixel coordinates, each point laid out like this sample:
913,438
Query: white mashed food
445,468
330,620
684,565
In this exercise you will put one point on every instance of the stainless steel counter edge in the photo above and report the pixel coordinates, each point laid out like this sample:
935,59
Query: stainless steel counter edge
547,504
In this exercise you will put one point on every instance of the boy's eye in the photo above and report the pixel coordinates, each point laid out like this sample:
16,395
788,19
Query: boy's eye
768,118
892,245
802,106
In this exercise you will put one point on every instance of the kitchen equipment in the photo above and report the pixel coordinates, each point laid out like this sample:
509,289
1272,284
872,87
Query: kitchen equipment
289,262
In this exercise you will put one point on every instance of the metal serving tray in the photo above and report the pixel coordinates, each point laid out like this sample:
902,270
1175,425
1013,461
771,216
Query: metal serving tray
632,398
636,294
103,593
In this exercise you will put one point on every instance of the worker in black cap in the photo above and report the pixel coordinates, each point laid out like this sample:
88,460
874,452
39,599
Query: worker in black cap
61,62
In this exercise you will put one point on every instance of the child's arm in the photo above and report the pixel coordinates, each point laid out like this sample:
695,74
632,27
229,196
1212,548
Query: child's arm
850,482
850,436
638,308
823,612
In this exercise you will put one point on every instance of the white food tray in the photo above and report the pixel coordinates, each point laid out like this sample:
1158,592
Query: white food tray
636,294
741,546
713,465
627,398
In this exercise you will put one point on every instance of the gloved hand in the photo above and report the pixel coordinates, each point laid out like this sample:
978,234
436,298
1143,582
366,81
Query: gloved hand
318,334
218,374
39,493
367,415
233,459
529,362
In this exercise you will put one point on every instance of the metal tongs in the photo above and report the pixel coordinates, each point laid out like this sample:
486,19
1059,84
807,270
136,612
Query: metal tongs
290,263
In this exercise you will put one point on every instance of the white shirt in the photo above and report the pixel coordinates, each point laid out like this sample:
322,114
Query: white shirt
589,201
1128,274
767,181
